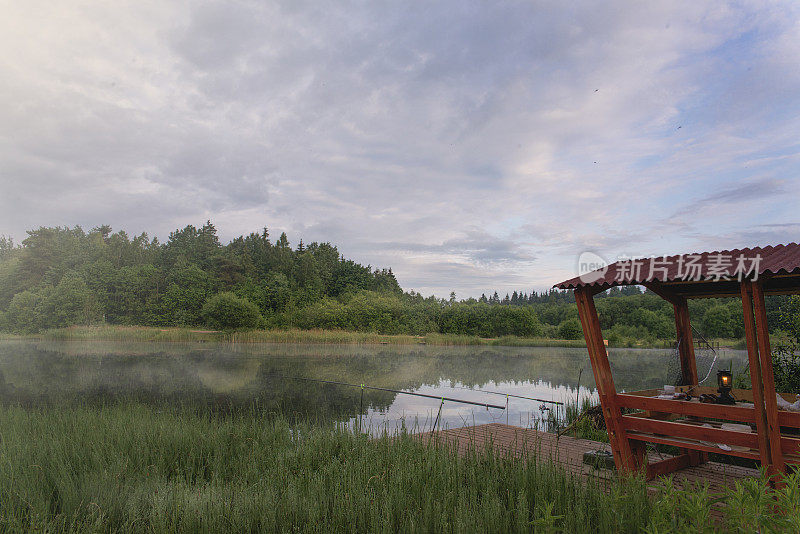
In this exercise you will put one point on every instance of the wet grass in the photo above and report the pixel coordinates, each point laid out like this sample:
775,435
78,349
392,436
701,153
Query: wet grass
131,468
166,334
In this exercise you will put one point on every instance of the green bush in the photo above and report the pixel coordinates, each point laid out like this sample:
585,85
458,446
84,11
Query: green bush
570,329
750,506
718,322
226,311
70,302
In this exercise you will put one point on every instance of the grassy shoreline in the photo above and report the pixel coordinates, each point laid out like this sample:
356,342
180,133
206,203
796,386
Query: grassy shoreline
176,334
131,468
173,334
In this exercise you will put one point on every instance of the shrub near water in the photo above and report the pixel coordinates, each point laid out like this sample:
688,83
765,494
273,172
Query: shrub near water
130,468
226,311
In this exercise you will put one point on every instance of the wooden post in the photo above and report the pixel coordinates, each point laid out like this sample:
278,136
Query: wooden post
767,378
625,459
685,342
683,329
764,448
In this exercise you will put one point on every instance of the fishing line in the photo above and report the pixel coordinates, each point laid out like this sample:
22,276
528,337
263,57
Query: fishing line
375,388
507,395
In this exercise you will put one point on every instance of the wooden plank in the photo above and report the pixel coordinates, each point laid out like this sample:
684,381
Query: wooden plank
755,373
645,392
696,409
683,430
661,291
790,445
668,465
686,443
791,419
785,417
768,381
624,458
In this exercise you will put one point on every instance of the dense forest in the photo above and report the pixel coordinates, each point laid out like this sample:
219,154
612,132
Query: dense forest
61,276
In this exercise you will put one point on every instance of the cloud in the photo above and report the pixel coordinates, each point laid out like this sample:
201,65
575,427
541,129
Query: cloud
469,146
746,192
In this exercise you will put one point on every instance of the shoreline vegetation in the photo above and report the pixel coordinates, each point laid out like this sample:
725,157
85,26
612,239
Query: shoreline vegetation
129,467
313,336
263,289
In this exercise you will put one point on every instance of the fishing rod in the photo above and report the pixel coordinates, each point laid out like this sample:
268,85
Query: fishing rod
508,395
375,388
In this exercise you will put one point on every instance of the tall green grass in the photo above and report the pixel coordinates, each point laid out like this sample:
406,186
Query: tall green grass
294,335
147,333
131,468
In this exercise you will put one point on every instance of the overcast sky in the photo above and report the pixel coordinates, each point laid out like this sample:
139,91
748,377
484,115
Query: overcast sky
470,146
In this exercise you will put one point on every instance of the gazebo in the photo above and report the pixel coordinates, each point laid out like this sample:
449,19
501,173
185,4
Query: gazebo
697,428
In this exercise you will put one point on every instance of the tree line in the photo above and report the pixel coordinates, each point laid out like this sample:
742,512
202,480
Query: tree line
60,276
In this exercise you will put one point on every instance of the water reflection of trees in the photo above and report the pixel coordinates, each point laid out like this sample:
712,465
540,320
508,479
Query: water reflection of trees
225,377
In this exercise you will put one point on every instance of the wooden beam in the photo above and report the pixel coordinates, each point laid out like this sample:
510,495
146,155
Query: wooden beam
683,328
768,381
694,409
685,443
684,430
683,331
764,449
625,459
667,466
662,291
790,445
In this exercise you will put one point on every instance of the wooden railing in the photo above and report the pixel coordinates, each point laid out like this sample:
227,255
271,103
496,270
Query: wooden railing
680,423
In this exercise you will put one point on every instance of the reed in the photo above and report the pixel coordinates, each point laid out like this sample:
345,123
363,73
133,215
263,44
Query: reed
317,336
131,468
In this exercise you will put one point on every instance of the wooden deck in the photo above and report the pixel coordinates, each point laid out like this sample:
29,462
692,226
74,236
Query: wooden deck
568,452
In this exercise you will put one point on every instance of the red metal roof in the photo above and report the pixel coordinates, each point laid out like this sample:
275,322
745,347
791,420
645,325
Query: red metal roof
716,266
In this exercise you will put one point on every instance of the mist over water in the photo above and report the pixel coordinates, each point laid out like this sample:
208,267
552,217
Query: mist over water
224,378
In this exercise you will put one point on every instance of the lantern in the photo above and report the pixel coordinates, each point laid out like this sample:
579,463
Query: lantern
725,382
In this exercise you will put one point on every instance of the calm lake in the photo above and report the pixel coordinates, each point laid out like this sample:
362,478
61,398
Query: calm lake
226,377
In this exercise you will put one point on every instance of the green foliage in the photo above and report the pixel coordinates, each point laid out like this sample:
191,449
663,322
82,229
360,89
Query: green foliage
786,365
750,506
786,348
27,312
570,329
226,311
790,318
72,303
139,281
142,282
6,247
392,313
130,468
69,303
188,287
723,321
